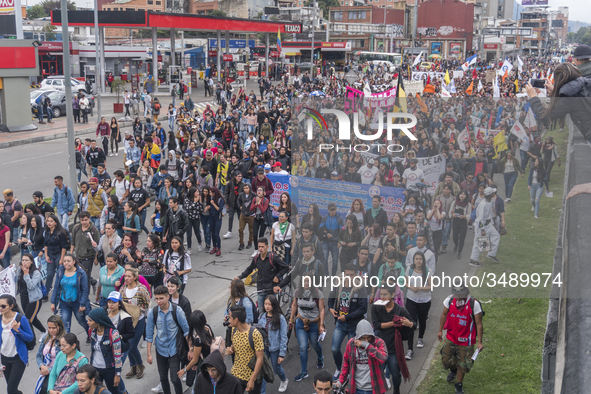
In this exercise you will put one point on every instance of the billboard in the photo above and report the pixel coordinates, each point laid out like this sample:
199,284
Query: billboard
534,2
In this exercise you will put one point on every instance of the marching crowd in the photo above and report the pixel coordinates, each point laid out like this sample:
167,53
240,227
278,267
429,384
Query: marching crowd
139,224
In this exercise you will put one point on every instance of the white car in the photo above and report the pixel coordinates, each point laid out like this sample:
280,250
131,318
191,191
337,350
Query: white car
57,83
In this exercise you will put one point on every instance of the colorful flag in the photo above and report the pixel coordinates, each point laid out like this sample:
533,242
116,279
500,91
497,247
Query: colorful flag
470,88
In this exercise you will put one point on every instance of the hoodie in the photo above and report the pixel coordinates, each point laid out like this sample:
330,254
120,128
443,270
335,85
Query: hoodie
226,384
364,363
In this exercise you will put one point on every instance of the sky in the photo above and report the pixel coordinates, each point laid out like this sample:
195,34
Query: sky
577,9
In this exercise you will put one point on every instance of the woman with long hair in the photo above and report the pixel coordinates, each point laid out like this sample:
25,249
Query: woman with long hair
201,339
238,296
151,261
176,262
194,207
127,251
30,287
349,240
71,293
313,217
158,216
216,204
49,348
135,294
56,244
418,298
509,167
274,322
205,200
461,211
105,340
131,221
535,184
15,332
115,136
307,314
283,233
61,379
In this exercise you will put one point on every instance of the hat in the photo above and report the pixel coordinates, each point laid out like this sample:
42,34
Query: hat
334,173
114,296
489,190
582,52
93,180
267,166
460,290
277,164
38,194
332,205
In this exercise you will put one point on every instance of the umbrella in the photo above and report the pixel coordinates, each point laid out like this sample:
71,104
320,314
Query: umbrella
317,93
434,56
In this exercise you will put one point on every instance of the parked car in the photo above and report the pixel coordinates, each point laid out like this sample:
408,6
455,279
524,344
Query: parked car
58,103
56,82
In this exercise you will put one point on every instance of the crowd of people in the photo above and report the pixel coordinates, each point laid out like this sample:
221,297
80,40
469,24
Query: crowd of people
138,223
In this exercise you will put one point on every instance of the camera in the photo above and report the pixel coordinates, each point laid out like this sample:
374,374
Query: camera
538,83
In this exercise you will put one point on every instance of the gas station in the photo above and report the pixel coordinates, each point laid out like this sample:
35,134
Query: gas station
246,28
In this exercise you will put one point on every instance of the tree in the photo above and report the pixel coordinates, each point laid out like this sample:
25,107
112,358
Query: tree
218,13
49,5
50,32
36,11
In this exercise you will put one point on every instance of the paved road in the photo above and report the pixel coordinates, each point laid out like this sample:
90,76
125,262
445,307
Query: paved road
32,167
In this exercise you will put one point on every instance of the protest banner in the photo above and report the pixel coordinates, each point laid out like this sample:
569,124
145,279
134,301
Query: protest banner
432,167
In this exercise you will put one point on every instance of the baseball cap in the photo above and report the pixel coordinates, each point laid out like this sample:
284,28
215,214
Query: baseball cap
460,290
267,166
582,52
114,296
489,190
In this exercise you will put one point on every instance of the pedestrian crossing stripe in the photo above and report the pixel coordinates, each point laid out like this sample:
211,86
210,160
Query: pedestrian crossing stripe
200,107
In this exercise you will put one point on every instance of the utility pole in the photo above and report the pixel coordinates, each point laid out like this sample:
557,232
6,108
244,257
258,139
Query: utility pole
68,86
97,63
313,31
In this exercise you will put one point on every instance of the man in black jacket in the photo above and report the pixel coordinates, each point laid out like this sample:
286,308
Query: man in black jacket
176,221
233,190
270,271
246,215
352,175
214,368
375,214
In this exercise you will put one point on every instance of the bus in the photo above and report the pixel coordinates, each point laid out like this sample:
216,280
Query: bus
363,56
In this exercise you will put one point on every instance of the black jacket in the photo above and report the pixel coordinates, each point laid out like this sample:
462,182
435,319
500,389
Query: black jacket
227,384
175,223
579,108
266,271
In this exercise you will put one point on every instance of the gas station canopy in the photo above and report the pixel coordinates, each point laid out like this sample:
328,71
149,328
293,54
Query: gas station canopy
160,20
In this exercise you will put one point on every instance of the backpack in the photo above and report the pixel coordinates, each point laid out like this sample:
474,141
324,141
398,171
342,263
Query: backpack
255,311
31,344
182,347
67,376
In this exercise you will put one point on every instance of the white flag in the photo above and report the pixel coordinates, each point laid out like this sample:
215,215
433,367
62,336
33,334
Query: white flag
480,87
520,62
418,59
530,120
7,282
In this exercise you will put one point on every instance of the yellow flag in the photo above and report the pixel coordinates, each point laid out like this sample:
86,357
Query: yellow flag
447,79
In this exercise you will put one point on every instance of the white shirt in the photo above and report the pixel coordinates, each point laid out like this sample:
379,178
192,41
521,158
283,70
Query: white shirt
412,177
368,174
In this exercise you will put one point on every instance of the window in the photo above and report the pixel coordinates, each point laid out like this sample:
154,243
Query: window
337,15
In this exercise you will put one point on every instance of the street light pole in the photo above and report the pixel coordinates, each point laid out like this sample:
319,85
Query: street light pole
68,86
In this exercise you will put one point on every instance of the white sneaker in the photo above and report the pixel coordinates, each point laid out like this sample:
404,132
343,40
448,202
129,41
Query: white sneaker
388,383
199,248
256,251
283,386
144,344
158,389
228,235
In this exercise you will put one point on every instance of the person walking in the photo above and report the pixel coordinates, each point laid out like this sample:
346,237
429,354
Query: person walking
15,333
462,319
485,230
63,199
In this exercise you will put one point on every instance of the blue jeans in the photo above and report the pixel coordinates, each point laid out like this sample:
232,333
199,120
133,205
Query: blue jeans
206,229
273,357
524,159
135,358
215,225
341,330
446,232
303,337
535,192
66,310
108,377
393,368
510,179
331,248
